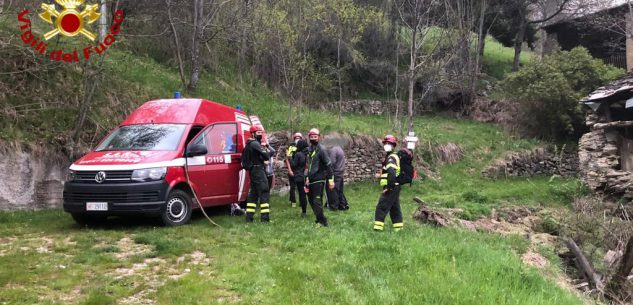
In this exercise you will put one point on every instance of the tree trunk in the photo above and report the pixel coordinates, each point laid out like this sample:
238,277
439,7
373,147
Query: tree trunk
482,40
181,64
198,16
103,20
518,45
396,95
482,45
340,82
90,85
1,6
614,288
412,75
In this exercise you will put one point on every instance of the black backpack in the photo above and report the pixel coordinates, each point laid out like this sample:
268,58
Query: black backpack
407,171
247,163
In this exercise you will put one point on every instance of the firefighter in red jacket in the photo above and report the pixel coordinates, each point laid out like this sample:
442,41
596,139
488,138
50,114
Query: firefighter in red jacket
256,160
389,201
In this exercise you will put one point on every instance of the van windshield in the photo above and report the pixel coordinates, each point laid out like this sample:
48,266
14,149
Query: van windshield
144,137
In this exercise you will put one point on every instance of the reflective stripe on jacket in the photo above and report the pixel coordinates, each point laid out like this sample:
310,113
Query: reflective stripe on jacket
390,170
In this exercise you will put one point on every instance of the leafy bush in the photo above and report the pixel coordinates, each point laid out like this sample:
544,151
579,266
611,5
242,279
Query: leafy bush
549,92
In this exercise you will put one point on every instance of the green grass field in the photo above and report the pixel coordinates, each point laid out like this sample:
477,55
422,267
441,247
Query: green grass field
47,259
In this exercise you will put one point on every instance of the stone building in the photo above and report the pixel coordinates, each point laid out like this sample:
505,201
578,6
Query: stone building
606,152
599,28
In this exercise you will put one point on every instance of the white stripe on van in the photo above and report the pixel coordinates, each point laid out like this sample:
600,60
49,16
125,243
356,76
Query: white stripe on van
175,162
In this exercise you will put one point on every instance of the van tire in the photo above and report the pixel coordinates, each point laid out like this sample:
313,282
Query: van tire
89,220
177,209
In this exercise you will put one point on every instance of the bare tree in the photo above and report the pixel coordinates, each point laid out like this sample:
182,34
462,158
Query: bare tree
177,46
428,50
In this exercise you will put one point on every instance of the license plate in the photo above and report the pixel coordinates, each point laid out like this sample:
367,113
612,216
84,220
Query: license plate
96,206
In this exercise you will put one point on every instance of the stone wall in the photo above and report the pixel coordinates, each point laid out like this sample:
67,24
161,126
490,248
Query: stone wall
599,155
363,154
31,180
538,162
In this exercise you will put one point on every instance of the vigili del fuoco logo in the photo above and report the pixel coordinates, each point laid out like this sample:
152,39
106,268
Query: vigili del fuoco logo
70,20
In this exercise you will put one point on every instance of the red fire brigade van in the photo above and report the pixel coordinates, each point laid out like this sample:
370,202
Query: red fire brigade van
139,168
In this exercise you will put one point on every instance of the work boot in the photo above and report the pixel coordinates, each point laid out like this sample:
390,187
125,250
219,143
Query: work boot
265,217
249,217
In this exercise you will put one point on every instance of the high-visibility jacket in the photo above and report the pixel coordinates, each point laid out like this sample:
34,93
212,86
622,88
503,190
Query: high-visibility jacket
390,170
292,148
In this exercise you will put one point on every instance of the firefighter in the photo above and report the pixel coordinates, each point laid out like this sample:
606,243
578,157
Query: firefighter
389,201
255,160
319,173
298,168
292,149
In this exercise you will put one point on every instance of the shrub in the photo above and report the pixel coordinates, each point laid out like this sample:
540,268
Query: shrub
549,92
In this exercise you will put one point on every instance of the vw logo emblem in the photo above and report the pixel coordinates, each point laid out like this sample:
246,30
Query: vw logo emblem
100,177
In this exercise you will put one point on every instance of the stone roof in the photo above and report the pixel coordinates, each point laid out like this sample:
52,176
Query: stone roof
620,89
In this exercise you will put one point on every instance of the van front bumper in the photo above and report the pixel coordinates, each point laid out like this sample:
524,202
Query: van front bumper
122,198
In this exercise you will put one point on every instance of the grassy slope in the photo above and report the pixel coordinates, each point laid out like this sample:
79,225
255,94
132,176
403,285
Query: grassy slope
131,80
498,60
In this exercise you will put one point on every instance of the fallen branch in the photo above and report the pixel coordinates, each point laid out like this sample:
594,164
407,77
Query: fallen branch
583,265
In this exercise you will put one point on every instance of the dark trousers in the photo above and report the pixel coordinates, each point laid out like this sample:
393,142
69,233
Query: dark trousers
389,202
258,193
316,201
336,198
270,182
293,188
303,200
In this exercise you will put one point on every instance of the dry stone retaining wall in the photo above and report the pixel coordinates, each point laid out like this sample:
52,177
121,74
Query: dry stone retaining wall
600,160
363,155
538,162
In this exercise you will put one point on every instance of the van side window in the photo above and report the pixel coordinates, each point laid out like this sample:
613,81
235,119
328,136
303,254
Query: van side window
222,139
192,133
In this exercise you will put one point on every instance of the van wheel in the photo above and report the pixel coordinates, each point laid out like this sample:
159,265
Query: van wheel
177,210
88,220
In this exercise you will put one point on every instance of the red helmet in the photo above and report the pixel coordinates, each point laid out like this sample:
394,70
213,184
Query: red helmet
391,140
297,135
314,132
256,128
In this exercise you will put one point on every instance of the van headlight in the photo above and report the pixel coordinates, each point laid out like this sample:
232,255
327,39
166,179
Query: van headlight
149,174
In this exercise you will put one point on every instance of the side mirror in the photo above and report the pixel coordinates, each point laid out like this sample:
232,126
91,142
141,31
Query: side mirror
196,150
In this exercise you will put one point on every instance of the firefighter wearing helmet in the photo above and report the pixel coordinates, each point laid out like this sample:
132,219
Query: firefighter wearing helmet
389,201
290,152
319,174
254,159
